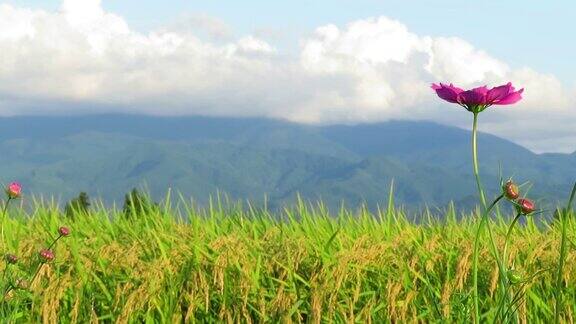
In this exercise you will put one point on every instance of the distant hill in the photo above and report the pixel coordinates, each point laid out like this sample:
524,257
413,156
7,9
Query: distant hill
107,155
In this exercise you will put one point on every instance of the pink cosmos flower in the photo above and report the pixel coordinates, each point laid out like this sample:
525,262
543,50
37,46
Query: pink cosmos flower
478,99
14,190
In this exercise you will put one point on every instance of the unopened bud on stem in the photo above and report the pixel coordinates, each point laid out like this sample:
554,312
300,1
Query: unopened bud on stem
511,190
525,206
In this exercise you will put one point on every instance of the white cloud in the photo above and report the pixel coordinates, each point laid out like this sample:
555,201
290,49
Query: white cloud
85,12
198,23
83,59
455,59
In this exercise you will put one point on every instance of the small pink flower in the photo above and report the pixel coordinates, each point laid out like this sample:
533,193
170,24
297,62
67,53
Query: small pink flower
46,255
14,190
64,231
478,99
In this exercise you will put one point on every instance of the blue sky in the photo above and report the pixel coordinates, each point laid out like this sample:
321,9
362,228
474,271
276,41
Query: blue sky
533,33
320,62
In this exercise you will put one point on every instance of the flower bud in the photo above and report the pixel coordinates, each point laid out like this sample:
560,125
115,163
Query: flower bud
511,190
46,255
64,231
525,206
14,190
11,258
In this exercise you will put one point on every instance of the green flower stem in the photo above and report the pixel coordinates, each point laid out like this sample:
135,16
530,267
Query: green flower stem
475,160
504,255
54,242
4,210
479,185
483,222
475,256
505,259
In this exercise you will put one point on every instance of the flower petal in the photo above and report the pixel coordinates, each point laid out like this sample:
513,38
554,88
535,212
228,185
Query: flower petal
511,98
482,90
447,92
472,97
456,89
498,93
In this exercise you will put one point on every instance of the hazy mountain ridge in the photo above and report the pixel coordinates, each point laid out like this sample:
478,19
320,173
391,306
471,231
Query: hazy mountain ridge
107,155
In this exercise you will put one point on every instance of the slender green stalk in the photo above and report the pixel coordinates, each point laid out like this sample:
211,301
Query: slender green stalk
54,242
479,185
563,221
510,228
504,270
475,160
484,220
4,210
475,256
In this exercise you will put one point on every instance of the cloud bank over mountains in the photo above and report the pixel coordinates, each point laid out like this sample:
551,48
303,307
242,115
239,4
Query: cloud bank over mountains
83,59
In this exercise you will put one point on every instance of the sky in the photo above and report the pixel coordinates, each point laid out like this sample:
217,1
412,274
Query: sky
318,62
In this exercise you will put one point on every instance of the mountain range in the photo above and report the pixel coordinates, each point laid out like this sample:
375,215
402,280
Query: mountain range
253,158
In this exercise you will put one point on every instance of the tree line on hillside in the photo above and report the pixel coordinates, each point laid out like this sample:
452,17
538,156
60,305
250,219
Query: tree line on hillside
135,203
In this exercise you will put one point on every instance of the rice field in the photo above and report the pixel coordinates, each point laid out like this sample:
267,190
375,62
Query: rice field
238,264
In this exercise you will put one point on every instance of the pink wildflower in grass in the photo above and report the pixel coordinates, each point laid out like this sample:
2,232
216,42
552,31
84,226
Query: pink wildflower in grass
14,190
46,255
64,231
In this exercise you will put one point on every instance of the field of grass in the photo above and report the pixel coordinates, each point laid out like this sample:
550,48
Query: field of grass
239,264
